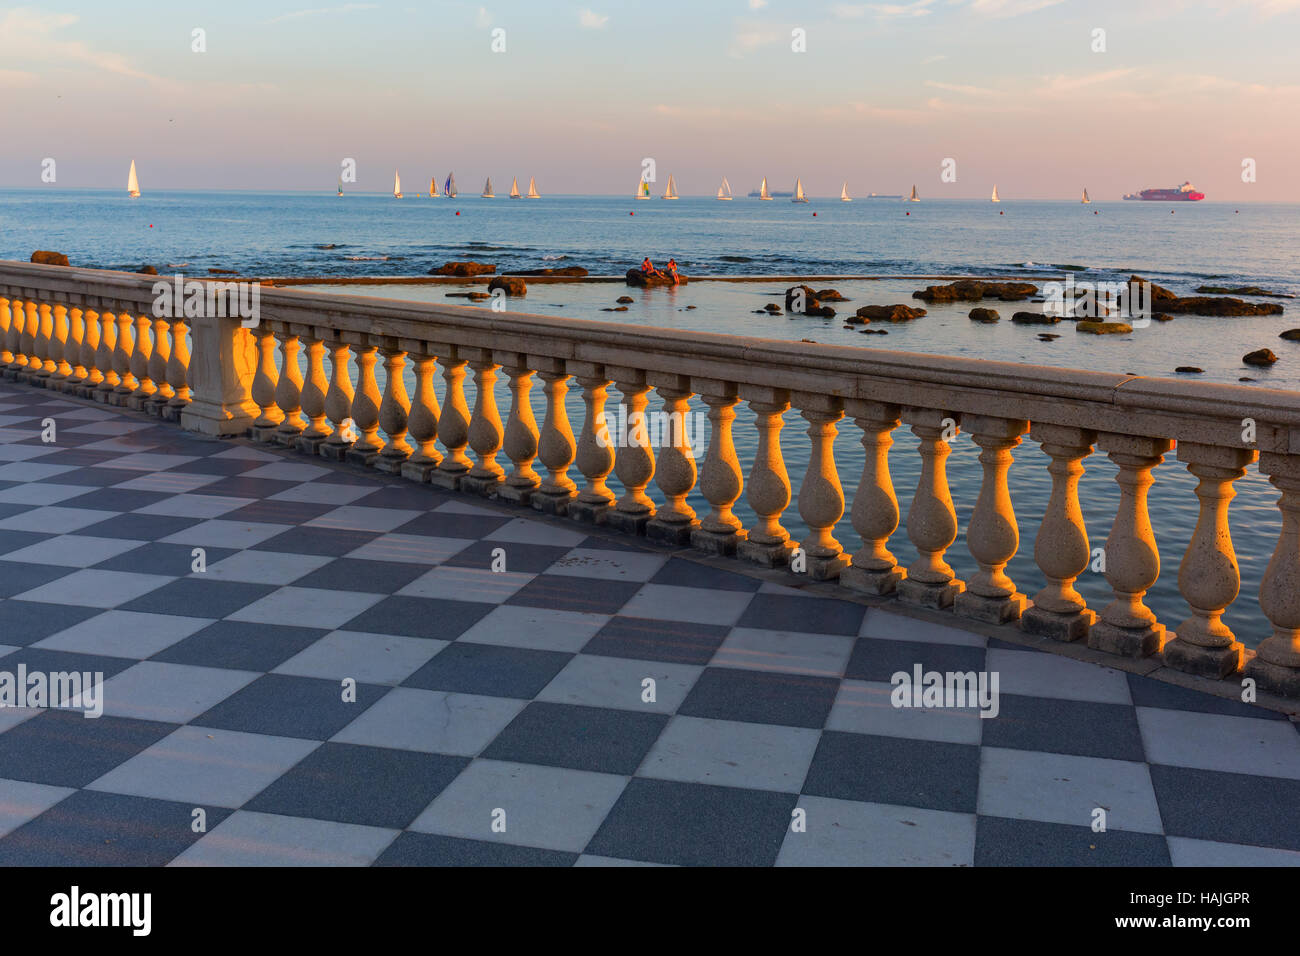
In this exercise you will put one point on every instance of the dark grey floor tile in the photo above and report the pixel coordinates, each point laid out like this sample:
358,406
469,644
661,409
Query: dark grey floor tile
406,497
1147,692
156,558
692,575
279,512
331,542
420,617
560,592
286,706
17,577
13,540
47,661
875,659
1003,842
1083,728
894,770
782,612
138,527
426,849
211,465
239,486
99,476
355,574
114,499
528,558
492,671
675,642
761,697
199,597
65,749
241,646
580,738
1228,807
26,622
448,524
80,457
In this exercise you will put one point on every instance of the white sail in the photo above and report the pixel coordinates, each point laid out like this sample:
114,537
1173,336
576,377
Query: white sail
671,191
433,187
132,183
487,189
1085,195
532,189
397,185
642,189
514,189
844,193
798,191
762,190
994,197
914,197
449,187
724,191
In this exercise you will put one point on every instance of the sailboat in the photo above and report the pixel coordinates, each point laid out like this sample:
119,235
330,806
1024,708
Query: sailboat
397,185
340,187
449,187
762,191
433,187
487,190
1085,195
914,197
671,191
724,191
514,189
133,183
994,197
844,193
642,189
532,189
798,191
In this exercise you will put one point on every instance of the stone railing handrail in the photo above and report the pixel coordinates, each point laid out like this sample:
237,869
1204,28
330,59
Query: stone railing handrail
55,333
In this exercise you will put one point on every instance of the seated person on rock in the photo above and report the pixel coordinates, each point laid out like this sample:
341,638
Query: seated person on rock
648,268
672,271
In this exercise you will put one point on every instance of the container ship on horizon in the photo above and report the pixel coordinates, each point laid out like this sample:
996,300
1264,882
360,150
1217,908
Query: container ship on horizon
1184,193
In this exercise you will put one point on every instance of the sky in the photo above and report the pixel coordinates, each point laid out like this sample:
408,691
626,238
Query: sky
1024,94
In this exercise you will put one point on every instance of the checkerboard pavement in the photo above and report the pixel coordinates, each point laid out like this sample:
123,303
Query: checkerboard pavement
484,697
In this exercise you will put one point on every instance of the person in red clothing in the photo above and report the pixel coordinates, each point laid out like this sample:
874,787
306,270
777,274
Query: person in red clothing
672,271
648,267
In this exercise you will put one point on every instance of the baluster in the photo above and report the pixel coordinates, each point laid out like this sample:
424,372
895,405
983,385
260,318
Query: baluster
394,411
1061,545
31,324
873,568
104,355
595,455
158,359
59,347
821,498
521,435
288,388
140,357
1276,665
486,433
675,467
89,355
365,404
721,480
453,424
1209,578
313,395
422,423
931,520
178,370
338,402
556,446
768,487
634,462
993,536
11,324
1127,626
265,381
72,349
123,347
43,366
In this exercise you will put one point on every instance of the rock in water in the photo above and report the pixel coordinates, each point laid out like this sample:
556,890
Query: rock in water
984,315
1291,335
148,271
830,295
1189,370
1260,357
576,272
511,285
46,258
1035,318
1210,305
638,278
1242,290
1103,328
810,300
625,300
886,313
972,290
463,269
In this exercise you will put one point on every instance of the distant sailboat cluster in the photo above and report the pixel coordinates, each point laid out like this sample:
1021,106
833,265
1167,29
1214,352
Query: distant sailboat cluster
450,191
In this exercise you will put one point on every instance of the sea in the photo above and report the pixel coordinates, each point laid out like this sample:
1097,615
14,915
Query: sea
872,251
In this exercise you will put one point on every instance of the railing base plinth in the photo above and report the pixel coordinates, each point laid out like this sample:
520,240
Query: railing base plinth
828,568
137,403
588,512
517,494
629,522
450,480
1126,641
418,471
289,439
1213,662
1274,678
766,554
119,399
389,464
264,434
173,413
668,532
991,610
870,581
922,594
310,444
362,457
334,451
1059,627
485,486
551,504
716,542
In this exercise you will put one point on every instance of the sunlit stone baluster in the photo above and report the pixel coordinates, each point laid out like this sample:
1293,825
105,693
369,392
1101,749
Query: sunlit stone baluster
821,497
1127,626
72,349
422,423
721,479
158,358
768,486
288,388
338,403
140,356
313,395
90,354
59,347
595,455
634,461
105,355
453,424
932,519
486,432
264,383
123,348
365,404
675,472
10,331
521,434
1061,545
31,324
556,446
1276,665
993,536
394,411
43,367
1209,578
874,514
178,369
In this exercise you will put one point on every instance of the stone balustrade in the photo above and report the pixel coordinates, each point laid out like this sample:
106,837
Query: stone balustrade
95,334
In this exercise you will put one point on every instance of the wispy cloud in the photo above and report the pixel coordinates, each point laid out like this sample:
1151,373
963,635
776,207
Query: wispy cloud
757,4
883,11
1010,8
958,88
750,39
1261,8
322,11
27,34
590,20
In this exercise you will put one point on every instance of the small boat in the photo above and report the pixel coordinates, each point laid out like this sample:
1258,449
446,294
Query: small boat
724,191
433,187
844,193
762,191
994,197
532,189
514,189
449,187
1085,195
671,191
487,190
642,189
914,197
340,187
397,185
798,191
133,183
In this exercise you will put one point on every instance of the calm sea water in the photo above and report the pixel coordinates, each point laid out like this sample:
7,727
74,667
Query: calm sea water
1178,245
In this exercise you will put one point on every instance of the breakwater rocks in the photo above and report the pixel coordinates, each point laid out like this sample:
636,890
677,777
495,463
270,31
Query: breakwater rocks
805,300
573,272
510,285
884,313
46,258
1166,302
636,277
1242,290
463,269
973,290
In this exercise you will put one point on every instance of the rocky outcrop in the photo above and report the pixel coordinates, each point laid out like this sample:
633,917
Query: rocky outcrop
1221,307
576,272
1035,318
624,300
1242,290
1162,316
1103,328
638,278
1189,370
772,308
1260,357
1291,335
147,271
984,315
972,290
463,269
510,285
829,295
885,313
472,296
46,258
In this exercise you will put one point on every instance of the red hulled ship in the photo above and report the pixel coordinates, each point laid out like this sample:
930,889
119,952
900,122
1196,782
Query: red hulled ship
1184,193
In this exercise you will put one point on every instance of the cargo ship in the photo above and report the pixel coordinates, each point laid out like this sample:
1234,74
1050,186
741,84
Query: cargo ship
1184,193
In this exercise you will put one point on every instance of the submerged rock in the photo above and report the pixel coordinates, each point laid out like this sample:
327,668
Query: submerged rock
1242,290
1260,357
1035,318
147,271
886,313
1162,316
463,269
972,290
511,285
1103,328
1209,305
616,308
576,272
1188,370
984,315
46,258
773,308
830,295
1291,335
625,300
